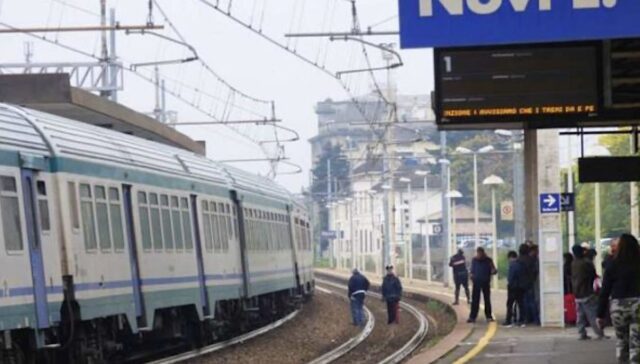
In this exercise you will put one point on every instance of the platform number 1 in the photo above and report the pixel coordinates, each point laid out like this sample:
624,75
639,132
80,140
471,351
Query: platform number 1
447,64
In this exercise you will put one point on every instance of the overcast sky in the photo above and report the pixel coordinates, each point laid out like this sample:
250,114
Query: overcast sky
243,59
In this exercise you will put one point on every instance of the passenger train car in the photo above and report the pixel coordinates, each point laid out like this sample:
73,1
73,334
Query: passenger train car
109,242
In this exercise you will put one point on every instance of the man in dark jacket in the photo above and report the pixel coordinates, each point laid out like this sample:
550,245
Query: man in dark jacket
583,272
530,267
391,293
515,292
482,268
458,264
358,287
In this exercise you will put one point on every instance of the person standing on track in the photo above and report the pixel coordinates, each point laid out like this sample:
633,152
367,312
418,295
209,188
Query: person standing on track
482,268
358,287
622,285
458,264
391,293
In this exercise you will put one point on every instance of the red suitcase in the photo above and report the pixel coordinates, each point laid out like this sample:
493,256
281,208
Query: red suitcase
570,310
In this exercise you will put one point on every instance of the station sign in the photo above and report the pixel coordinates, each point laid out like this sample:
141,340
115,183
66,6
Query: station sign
550,203
568,202
454,23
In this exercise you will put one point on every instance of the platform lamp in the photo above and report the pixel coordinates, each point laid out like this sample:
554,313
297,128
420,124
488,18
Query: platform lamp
427,243
452,196
494,181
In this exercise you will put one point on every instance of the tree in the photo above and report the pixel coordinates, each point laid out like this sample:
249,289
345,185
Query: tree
614,199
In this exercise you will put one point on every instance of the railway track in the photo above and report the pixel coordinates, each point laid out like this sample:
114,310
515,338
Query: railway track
350,344
225,344
396,356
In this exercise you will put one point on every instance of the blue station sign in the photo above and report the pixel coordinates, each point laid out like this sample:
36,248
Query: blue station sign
452,23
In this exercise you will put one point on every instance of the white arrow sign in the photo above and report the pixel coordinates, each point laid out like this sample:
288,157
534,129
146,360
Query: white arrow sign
550,201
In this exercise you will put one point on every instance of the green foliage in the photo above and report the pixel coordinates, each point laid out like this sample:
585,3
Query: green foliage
614,199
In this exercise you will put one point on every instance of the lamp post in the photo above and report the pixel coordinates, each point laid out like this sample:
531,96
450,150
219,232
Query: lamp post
598,151
476,218
494,181
408,253
451,244
427,243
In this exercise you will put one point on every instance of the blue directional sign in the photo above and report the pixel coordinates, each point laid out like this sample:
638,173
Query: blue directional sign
331,234
568,202
549,203
450,23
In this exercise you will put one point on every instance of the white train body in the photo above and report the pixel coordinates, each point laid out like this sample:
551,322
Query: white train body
120,227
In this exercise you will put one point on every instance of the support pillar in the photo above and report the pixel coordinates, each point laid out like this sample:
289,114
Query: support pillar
542,175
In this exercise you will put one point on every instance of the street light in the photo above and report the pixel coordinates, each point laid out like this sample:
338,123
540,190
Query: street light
494,181
476,217
408,253
598,151
427,243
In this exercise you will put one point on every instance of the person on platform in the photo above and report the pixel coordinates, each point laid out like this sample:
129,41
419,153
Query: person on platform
482,268
530,269
583,273
391,294
515,292
458,264
567,259
358,287
621,286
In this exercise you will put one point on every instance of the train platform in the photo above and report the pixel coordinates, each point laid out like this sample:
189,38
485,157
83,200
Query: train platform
490,343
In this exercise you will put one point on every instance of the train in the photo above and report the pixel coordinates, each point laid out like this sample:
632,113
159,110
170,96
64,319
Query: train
110,243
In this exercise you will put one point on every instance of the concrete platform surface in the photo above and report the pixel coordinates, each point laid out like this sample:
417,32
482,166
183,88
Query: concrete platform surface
535,345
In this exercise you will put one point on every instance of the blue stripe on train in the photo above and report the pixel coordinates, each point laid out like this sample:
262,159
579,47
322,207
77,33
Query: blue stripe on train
96,286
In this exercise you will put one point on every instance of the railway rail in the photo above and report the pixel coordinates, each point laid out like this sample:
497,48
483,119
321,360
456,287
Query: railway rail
178,358
395,357
350,344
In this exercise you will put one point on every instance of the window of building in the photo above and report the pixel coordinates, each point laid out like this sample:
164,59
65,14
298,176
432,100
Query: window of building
10,214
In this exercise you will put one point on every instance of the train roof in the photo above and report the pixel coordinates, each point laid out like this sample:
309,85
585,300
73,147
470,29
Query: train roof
42,134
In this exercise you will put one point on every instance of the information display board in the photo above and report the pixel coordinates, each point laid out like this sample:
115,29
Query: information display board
541,83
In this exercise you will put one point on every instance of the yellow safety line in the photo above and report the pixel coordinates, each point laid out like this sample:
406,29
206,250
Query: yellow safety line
482,343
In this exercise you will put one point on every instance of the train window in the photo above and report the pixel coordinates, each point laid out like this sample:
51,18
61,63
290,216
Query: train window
156,224
102,215
10,213
206,227
115,212
43,206
145,229
73,205
88,218
167,231
186,224
177,225
216,232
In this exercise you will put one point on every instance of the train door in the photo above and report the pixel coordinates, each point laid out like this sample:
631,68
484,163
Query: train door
133,255
202,282
34,243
